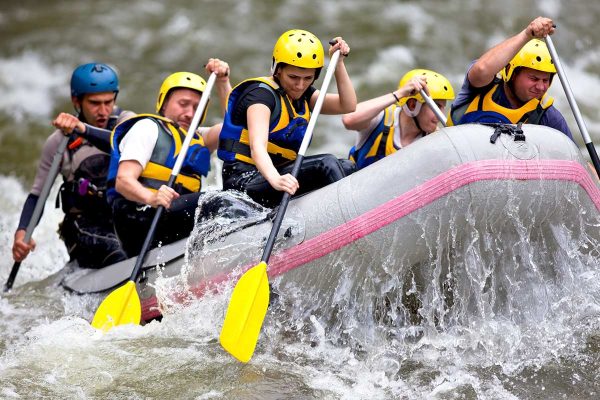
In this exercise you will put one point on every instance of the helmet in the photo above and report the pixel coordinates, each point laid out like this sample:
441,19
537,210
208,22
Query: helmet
299,48
179,80
94,78
533,55
438,85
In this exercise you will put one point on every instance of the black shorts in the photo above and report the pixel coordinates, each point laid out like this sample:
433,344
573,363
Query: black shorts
91,240
132,222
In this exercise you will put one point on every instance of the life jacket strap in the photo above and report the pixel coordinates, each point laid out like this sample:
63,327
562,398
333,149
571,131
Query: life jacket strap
508,129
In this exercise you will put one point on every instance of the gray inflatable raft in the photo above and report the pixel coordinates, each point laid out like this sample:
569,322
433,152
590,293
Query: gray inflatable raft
400,216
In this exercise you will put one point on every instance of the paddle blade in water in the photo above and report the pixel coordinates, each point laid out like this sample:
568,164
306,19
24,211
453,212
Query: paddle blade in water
246,313
120,307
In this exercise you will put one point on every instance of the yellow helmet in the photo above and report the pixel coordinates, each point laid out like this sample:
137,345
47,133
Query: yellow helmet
534,55
438,85
298,48
179,80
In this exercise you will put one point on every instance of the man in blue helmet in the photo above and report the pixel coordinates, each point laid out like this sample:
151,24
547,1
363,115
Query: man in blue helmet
87,228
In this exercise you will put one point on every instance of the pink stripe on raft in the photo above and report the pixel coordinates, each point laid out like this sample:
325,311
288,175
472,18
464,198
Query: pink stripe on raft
410,201
425,194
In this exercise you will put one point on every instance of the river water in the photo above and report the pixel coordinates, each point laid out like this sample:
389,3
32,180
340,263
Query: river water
49,350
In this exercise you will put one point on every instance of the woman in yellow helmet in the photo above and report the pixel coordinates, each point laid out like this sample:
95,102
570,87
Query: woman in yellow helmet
267,117
144,151
387,123
526,70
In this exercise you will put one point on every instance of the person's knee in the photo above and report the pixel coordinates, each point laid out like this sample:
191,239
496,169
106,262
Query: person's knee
348,166
332,166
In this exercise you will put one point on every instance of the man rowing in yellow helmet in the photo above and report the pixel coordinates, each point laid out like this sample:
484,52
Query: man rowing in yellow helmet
144,151
526,70
267,117
390,122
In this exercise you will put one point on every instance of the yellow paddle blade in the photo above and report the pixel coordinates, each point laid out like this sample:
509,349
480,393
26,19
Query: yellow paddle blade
246,313
120,307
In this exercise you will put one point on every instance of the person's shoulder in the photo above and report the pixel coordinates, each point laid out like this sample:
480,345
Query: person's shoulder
124,115
145,123
54,139
554,119
257,92
259,89
552,114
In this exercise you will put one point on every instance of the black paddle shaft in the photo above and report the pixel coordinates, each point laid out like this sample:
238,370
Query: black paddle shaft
300,156
13,274
574,107
149,237
178,163
39,207
280,213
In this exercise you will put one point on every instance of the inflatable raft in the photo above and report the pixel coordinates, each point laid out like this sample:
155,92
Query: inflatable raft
404,216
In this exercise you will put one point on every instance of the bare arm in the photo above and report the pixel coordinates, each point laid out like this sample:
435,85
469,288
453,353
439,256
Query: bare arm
491,62
211,137
128,186
221,68
258,128
367,110
345,100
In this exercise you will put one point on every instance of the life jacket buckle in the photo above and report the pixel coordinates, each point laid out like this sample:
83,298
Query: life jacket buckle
86,188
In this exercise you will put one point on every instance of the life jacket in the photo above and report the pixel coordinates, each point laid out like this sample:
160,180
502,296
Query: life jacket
380,142
84,180
286,127
484,108
158,170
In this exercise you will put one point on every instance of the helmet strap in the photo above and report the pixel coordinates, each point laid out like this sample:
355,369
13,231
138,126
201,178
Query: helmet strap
415,111
77,100
275,67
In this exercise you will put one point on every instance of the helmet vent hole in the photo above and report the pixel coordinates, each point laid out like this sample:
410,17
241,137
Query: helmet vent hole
538,58
314,56
299,55
188,78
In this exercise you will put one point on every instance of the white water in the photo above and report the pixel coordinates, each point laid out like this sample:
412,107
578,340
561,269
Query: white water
537,338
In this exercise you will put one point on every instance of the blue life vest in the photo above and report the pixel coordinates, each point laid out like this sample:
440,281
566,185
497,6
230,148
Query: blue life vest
286,130
484,108
158,170
380,142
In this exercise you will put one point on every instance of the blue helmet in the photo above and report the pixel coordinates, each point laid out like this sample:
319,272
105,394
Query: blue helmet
94,78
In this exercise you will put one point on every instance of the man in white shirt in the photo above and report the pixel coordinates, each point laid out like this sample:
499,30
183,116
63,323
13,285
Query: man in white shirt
145,149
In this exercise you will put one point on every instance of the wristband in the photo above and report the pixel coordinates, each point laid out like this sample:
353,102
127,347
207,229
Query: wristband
396,97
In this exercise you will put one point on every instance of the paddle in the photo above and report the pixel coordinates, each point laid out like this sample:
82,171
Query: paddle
250,298
122,306
569,93
39,206
436,110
